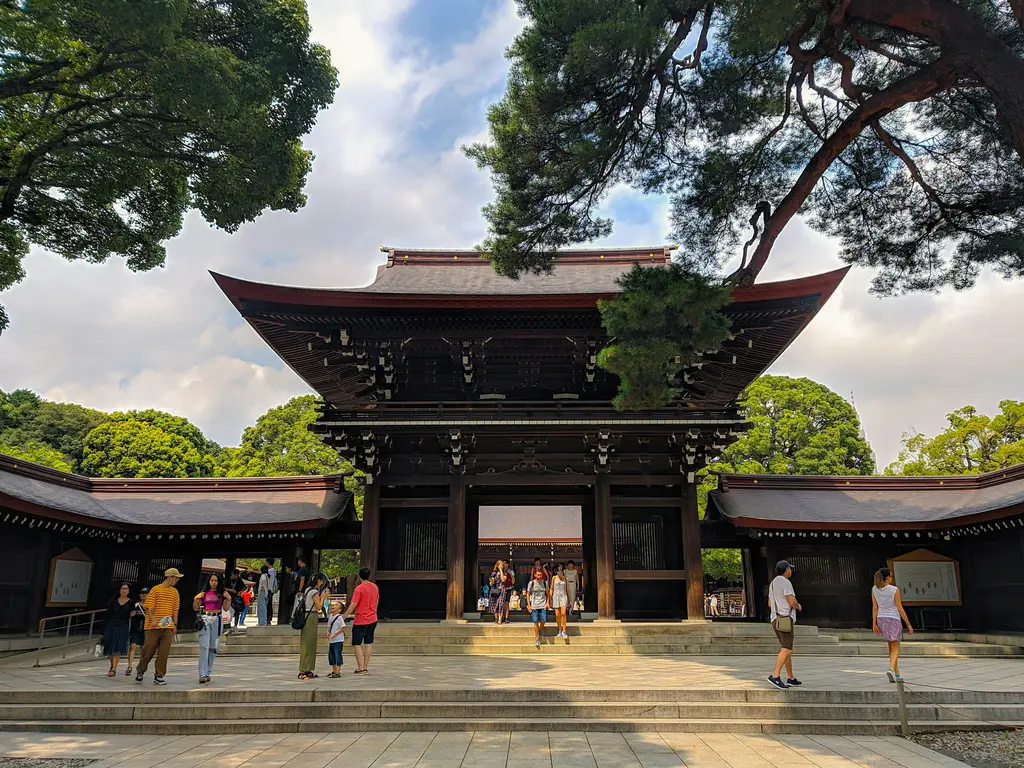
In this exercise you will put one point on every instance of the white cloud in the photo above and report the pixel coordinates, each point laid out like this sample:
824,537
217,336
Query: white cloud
105,337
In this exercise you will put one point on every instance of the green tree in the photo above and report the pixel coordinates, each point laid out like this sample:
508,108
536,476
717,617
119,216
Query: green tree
40,454
168,422
280,444
972,443
896,126
339,563
140,449
117,117
797,427
26,419
663,323
722,564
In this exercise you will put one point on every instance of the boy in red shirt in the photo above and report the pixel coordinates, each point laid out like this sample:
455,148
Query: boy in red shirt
364,603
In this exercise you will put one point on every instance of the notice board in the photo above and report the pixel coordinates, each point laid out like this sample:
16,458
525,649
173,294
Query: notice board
70,576
927,578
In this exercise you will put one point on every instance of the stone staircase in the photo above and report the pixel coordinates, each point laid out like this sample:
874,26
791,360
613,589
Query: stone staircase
666,638
170,712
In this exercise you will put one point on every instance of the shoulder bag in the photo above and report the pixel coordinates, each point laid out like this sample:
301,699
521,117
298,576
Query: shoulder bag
783,624
299,613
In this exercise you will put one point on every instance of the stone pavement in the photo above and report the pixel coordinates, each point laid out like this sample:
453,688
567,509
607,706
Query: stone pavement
580,672
479,750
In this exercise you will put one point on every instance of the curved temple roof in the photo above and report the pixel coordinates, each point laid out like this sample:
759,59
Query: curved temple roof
278,503
796,502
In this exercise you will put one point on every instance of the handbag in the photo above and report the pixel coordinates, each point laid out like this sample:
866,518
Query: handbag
783,624
198,624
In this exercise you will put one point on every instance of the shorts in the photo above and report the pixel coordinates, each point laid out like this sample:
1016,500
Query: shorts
540,615
785,638
137,637
892,629
362,634
334,654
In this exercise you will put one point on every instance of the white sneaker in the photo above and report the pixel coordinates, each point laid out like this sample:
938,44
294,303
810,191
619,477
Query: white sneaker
537,642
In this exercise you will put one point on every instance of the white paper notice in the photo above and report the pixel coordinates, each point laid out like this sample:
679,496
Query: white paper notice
71,582
927,582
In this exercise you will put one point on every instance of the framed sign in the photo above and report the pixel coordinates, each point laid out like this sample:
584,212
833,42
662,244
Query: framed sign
70,576
927,578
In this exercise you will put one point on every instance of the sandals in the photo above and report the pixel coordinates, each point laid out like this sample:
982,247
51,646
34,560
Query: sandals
334,675
112,673
307,675
203,680
128,671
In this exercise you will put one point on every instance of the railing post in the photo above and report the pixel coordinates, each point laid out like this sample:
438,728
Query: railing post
42,635
67,639
92,622
904,722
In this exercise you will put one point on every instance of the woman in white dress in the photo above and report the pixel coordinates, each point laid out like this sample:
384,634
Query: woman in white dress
559,597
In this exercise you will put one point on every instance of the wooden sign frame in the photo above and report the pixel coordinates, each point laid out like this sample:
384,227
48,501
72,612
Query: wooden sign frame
74,555
927,556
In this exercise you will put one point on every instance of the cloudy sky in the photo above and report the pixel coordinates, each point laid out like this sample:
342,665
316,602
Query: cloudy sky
416,78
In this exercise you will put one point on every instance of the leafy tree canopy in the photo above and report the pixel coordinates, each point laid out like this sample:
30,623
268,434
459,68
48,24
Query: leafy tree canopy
128,448
28,420
280,444
972,443
798,427
175,425
664,322
117,117
38,453
896,126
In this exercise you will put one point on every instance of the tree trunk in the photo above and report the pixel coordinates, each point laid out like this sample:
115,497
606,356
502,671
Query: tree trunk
962,37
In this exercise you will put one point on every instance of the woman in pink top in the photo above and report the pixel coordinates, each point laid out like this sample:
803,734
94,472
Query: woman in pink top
210,605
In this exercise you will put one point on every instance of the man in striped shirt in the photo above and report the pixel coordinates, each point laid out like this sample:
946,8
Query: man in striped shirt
162,604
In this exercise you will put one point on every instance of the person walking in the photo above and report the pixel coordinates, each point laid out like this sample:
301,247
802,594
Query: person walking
263,596
573,582
117,628
783,604
537,590
888,617
137,628
363,604
335,639
713,603
247,599
310,602
210,605
162,604
559,598
236,603
508,586
272,573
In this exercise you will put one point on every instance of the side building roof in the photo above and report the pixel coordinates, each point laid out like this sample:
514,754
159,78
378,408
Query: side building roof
877,503
173,504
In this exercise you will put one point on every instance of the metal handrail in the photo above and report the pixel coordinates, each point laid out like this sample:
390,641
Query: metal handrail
68,618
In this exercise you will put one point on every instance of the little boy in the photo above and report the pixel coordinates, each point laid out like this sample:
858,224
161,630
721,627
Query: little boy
335,638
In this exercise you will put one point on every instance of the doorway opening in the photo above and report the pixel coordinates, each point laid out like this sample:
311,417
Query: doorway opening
726,589
518,535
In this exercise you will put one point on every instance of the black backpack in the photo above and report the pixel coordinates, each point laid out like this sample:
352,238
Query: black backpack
299,612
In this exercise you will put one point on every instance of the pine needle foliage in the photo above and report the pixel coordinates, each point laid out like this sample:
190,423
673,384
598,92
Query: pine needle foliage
666,319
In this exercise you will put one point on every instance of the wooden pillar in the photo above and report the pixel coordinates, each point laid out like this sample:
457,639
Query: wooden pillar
605,547
691,554
370,532
454,605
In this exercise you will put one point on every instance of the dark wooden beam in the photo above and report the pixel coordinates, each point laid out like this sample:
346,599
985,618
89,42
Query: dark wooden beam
691,554
454,605
409,576
667,575
370,538
605,547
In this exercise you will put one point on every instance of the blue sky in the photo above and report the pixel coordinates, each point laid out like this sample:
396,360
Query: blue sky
416,79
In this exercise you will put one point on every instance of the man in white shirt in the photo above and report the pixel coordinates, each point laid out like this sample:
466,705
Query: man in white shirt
783,604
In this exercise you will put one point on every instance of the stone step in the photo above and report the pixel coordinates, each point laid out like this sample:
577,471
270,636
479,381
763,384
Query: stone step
415,711
623,725
582,629
210,696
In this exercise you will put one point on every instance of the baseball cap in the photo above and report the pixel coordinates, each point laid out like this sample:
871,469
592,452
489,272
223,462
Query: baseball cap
782,565
172,572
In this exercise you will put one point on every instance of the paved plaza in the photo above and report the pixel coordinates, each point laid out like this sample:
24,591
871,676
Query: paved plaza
573,673
479,750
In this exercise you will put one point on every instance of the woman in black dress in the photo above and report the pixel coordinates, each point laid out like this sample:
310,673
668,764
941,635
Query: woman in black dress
115,635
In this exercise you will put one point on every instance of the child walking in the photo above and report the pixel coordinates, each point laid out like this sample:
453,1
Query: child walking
335,638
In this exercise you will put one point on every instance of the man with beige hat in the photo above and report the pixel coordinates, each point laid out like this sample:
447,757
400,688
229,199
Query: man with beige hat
161,606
